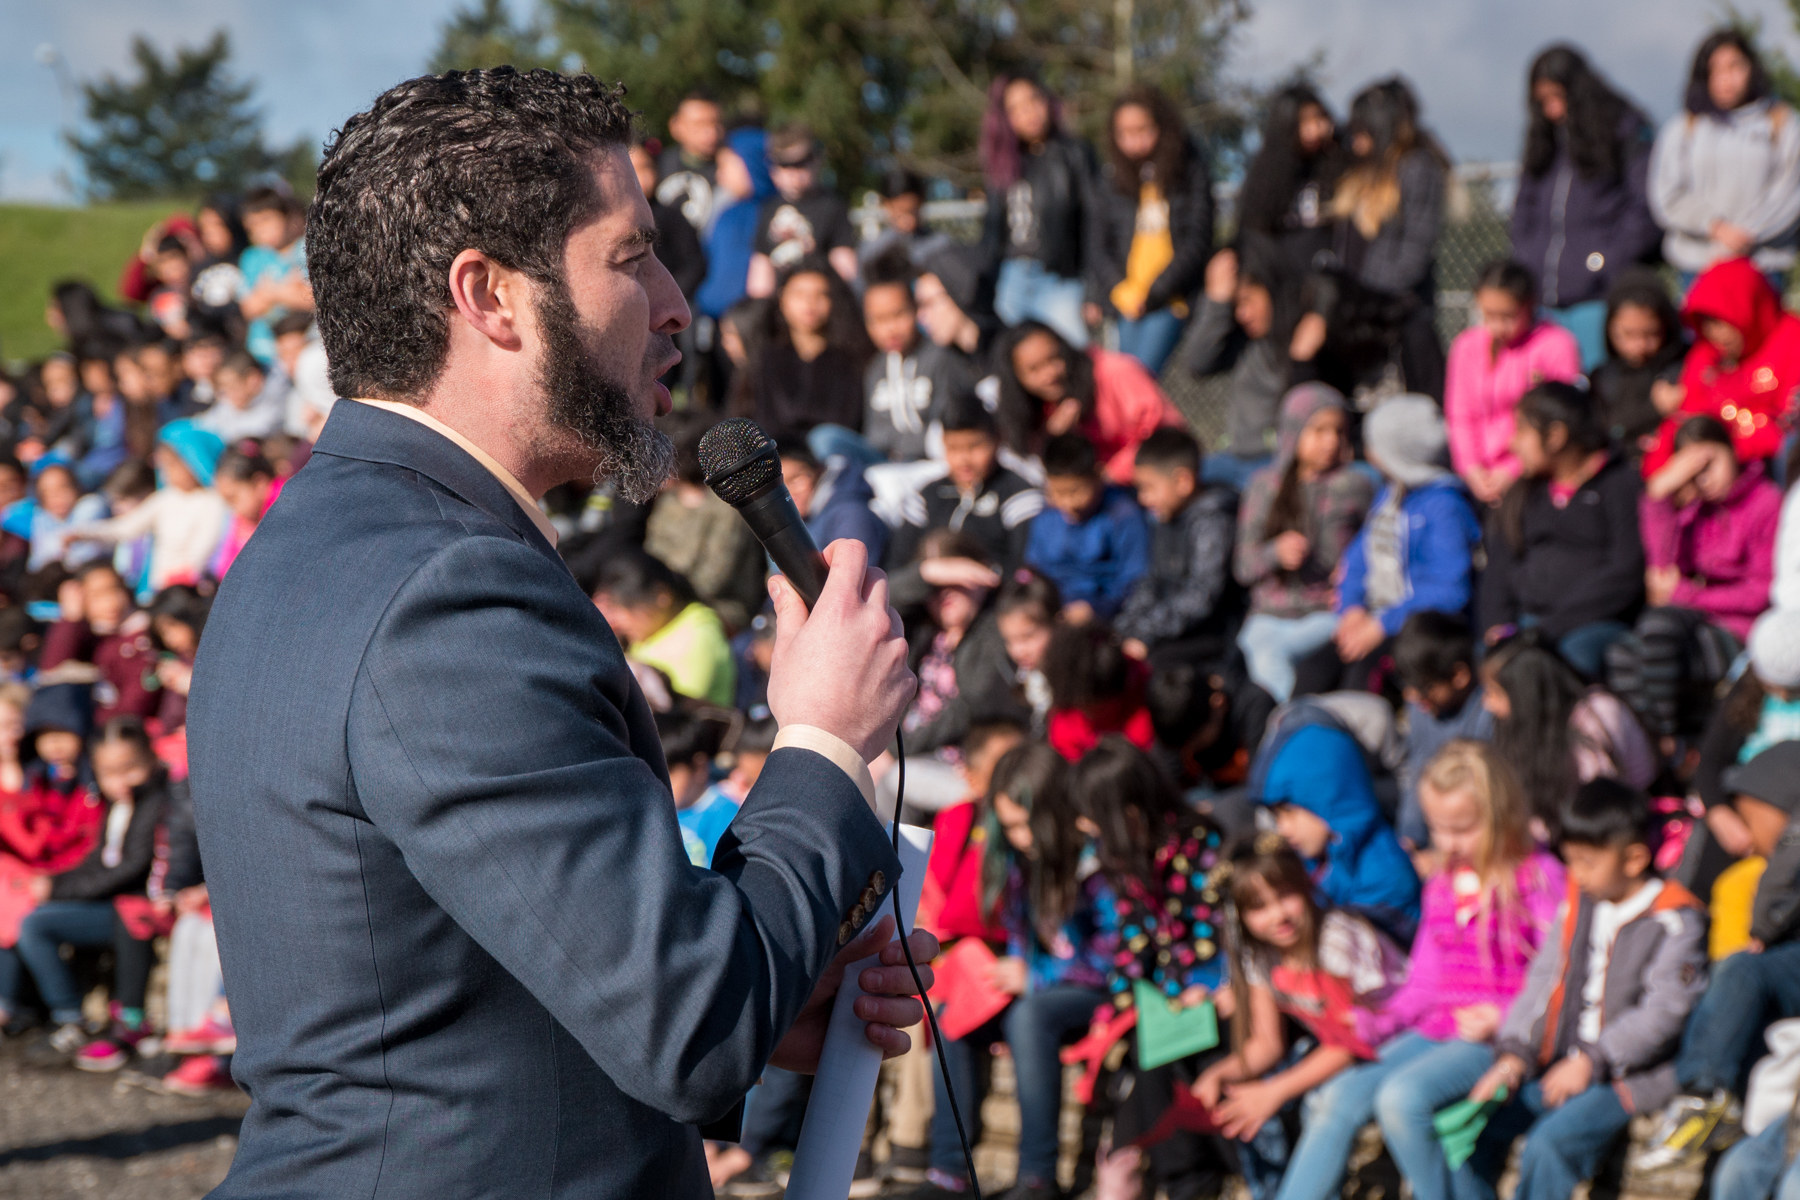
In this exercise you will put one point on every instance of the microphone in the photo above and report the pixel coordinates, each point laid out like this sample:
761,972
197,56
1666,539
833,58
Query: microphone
744,470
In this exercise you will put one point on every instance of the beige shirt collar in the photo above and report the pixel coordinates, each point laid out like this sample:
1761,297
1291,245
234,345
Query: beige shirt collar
507,481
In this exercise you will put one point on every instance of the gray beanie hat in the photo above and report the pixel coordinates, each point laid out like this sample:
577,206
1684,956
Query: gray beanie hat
1404,436
1775,648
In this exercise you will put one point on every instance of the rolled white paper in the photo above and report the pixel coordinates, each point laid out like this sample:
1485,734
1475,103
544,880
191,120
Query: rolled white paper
850,1064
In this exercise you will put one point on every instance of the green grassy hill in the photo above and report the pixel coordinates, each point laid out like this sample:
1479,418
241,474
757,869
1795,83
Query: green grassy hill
40,246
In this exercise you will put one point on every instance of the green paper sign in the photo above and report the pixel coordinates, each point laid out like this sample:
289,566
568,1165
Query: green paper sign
1164,1035
1459,1126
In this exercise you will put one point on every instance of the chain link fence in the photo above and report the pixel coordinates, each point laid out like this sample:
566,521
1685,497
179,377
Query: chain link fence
1475,232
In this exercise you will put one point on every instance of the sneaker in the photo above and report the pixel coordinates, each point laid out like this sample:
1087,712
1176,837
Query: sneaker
102,1054
210,1036
199,1076
767,1176
1692,1128
69,1038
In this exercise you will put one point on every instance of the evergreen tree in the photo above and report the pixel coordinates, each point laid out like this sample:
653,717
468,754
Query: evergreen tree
879,80
181,127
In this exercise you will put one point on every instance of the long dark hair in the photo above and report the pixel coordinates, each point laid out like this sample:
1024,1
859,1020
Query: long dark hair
1131,802
1537,740
1281,166
1085,665
1699,96
1544,406
1369,191
1020,415
1594,127
1167,165
1000,161
1267,859
1641,288
844,328
1035,777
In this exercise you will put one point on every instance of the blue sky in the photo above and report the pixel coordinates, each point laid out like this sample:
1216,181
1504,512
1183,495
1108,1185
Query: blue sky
317,61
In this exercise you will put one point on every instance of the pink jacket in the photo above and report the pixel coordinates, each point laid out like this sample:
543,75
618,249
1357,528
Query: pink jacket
1481,390
1129,406
1725,551
1484,961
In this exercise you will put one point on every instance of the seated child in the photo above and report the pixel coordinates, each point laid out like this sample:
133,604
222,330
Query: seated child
1751,988
1208,727
1299,958
977,495
833,499
1743,368
1590,1038
950,904
98,626
59,508
1095,689
185,517
1566,555
1415,551
1555,731
1092,539
1298,516
248,484
749,752
75,904
1056,963
1484,915
1638,384
1490,366
1028,611
1181,605
900,387
1324,805
1435,656
1242,326
250,404
662,624
690,742
702,538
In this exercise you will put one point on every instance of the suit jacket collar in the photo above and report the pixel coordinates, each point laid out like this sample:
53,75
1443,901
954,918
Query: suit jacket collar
361,431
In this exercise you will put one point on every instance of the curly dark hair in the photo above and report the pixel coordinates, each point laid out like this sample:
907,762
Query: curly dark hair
1167,165
491,160
1281,167
1698,99
1597,123
1020,415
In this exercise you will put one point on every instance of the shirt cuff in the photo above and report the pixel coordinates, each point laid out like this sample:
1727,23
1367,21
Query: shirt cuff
835,750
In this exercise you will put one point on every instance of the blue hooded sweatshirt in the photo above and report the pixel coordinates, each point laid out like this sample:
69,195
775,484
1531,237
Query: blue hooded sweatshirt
1438,536
841,509
732,238
1322,770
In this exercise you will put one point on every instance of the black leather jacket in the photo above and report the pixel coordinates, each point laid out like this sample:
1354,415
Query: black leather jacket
1044,215
1190,227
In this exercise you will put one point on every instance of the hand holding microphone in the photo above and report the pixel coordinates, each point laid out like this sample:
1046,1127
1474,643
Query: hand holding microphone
841,667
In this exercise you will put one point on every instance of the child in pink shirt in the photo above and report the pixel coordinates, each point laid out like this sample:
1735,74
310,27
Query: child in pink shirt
1491,366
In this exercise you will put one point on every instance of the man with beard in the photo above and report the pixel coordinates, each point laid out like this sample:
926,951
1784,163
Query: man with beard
464,949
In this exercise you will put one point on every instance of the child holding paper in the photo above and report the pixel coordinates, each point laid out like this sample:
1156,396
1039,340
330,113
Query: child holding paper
1632,947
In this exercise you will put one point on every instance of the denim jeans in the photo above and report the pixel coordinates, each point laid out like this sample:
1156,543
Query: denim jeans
1565,1145
1584,647
1331,1115
50,926
1272,645
826,441
1724,1034
1151,338
1587,322
1407,1100
1027,292
1755,1168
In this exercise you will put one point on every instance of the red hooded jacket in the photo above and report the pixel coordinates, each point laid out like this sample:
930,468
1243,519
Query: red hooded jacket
1752,398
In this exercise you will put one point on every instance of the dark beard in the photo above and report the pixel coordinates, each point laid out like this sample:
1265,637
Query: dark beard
632,452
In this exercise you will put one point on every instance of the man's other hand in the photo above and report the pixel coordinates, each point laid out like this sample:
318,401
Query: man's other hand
889,1008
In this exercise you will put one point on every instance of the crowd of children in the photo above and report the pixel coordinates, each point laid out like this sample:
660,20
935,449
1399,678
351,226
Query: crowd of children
1422,754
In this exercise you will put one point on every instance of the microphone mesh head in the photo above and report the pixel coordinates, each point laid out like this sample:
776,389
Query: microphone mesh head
739,460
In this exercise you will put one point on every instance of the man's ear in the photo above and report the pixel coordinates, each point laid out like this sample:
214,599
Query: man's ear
489,298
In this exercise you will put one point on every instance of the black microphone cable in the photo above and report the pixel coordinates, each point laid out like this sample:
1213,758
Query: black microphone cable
937,1038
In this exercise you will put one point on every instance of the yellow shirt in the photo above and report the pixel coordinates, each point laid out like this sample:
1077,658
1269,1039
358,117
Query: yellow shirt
1152,250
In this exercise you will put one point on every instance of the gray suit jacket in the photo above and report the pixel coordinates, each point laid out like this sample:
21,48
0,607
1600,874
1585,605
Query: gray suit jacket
465,952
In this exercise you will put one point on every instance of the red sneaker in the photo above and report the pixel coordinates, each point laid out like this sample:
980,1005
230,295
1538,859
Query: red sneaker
199,1076
210,1036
